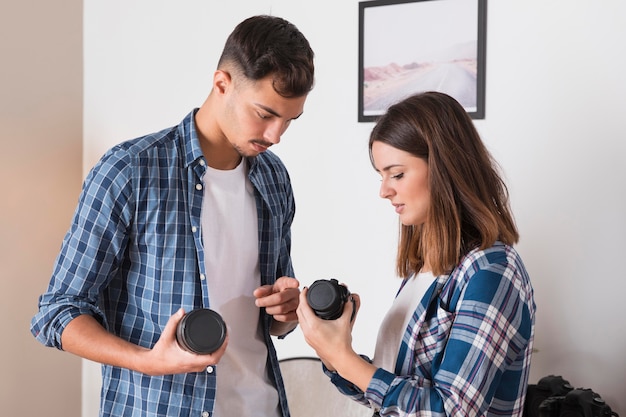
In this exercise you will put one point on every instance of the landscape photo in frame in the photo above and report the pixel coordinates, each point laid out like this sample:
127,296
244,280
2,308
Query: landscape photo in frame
411,46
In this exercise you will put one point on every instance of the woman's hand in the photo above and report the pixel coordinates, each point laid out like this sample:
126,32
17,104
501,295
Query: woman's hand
331,339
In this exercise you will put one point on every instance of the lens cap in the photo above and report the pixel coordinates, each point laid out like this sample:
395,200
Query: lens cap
326,298
201,331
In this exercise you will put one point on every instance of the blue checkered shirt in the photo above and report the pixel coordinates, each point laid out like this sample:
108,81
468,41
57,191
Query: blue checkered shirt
467,348
134,255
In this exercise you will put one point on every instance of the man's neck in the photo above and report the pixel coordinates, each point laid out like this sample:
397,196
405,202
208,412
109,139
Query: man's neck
218,152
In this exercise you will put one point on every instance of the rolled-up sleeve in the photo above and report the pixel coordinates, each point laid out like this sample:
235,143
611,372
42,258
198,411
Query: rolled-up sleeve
90,251
470,356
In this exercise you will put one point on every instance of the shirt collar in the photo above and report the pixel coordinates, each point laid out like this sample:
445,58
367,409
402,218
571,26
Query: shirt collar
191,143
189,135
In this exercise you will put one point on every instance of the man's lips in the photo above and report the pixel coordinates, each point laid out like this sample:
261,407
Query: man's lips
260,146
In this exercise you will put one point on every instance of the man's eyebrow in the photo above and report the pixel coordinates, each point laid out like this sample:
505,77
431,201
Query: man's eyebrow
273,112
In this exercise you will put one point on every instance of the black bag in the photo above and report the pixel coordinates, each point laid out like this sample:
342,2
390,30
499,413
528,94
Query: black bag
548,386
554,396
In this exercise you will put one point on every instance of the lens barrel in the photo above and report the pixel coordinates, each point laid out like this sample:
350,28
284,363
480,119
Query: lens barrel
201,331
327,298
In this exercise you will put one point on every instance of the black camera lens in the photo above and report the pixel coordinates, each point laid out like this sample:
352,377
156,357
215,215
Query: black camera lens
327,298
201,331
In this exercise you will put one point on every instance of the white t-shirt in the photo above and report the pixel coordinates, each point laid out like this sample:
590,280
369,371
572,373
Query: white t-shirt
231,253
397,319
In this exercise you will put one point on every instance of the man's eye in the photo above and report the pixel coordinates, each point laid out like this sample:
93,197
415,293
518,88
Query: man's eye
263,116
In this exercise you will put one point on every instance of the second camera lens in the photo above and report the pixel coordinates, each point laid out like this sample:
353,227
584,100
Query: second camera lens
201,331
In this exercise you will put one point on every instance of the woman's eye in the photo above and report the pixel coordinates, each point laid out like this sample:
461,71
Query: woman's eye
398,176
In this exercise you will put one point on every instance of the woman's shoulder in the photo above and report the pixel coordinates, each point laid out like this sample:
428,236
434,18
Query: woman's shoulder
497,254
490,271
499,259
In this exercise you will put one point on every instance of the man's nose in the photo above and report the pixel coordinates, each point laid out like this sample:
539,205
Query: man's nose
274,132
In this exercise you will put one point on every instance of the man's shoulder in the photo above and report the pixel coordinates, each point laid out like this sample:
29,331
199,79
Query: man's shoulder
267,172
268,163
269,158
167,139
145,144
121,160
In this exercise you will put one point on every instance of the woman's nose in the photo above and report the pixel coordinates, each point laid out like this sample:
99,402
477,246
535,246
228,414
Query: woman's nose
385,191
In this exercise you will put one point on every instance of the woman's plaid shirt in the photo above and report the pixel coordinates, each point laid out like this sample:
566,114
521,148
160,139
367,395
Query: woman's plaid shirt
467,349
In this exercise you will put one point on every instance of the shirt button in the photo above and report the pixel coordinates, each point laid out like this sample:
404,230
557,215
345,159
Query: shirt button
205,414
202,277
194,229
209,369
198,187
202,162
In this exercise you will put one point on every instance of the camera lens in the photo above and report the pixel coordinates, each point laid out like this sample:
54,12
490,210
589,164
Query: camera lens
201,331
326,298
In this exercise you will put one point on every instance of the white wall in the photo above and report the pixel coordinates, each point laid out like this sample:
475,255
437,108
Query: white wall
555,104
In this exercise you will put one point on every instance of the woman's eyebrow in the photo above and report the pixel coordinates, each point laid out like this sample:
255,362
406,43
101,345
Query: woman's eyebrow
388,167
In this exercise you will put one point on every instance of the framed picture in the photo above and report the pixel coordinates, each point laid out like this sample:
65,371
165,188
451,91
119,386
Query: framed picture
410,46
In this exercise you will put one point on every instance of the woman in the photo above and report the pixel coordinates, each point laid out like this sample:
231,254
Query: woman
457,340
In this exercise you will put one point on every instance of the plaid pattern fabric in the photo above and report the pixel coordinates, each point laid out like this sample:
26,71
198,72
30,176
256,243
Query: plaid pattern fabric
133,256
467,349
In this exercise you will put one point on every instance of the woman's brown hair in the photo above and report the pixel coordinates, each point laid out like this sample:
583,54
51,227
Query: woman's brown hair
469,200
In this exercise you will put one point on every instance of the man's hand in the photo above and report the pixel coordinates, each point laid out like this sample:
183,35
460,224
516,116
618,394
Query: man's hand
168,357
85,337
280,301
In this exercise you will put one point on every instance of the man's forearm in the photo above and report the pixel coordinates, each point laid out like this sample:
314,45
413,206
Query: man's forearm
84,336
280,328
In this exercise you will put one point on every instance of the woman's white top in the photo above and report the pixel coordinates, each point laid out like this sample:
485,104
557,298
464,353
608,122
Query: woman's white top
397,319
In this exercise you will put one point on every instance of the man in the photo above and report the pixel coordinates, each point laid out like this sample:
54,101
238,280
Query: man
197,215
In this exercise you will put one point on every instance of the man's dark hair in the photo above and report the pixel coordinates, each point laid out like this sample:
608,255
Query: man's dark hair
264,45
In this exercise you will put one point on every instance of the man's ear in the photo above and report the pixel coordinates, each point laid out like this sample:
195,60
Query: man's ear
222,80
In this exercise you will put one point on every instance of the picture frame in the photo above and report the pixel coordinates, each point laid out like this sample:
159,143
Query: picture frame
410,46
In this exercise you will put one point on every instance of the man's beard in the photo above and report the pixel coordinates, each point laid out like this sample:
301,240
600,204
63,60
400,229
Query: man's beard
266,145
